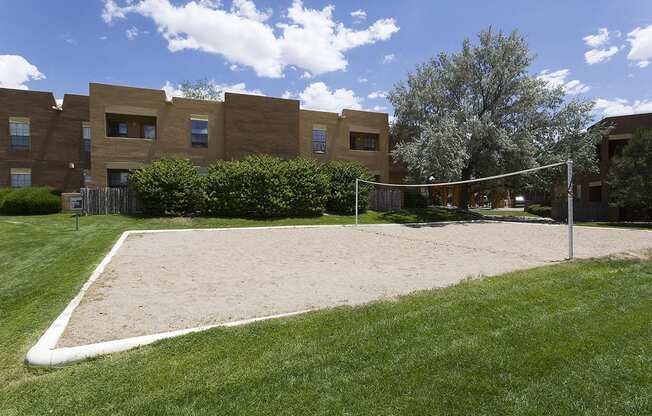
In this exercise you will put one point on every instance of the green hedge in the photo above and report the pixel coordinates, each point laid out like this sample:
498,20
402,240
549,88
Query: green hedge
265,187
168,187
30,201
342,175
540,210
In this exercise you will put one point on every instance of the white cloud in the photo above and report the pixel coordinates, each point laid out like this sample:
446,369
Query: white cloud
388,59
287,95
318,96
359,15
59,102
620,106
599,39
640,40
247,9
362,80
595,56
132,32
643,64
103,37
309,38
380,108
376,94
306,75
558,79
241,87
15,71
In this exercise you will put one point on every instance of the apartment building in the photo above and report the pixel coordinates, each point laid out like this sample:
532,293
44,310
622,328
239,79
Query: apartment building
592,192
98,139
42,144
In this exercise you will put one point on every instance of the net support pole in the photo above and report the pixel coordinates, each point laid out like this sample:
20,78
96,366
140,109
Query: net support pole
569,169
357,181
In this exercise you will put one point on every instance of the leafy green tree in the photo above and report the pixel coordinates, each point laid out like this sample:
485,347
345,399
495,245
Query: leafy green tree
630,173
480,112
202,89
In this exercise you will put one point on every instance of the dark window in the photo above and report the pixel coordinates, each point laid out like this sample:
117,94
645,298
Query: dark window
117,129
118,178
20,136
319,140
86,134
21,178
199,133
616,147
595,193
363,141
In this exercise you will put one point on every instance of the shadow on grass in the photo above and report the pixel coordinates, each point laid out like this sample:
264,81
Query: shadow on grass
437,214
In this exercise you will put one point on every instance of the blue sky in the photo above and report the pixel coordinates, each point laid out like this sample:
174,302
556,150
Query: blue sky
329,54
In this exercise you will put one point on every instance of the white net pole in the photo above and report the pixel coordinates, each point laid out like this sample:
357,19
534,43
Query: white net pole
357,181
569,172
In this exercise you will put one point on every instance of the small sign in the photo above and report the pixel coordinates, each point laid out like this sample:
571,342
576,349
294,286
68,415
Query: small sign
75,203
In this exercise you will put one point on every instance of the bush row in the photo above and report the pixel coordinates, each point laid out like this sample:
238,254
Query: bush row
259,186
29,201
540,210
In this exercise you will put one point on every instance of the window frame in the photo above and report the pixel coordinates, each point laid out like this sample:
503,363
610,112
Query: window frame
356,136
22,173
199,144
86,141
25,126
318,145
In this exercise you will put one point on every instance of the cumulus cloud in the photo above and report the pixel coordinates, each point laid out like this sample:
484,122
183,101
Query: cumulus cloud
308,38
132,33
359,15
380,108
388,59
16,71
376,94
318,96
557,79
620,106
175,91
595,56
640,40
598,42
599,39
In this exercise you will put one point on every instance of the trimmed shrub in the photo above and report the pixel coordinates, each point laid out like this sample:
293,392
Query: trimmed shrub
168,187
3,194
30,201
540,210
342,176
265,187
414,198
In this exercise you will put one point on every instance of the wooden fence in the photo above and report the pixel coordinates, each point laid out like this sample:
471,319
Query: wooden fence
97,201
385,199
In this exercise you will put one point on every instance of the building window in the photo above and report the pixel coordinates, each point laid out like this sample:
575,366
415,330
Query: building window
149,131
19,132
595,192
87,177
117,129
118,178
319,139
199,132
21,177
364,141
86,136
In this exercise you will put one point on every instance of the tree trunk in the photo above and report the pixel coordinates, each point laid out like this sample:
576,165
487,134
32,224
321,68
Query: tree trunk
464,189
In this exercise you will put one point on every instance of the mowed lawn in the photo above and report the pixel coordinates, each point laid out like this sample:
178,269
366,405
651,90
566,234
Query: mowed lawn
568,339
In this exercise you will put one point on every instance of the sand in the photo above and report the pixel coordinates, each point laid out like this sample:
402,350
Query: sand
165,281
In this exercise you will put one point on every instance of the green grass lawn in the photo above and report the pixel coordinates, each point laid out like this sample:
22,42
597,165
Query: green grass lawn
636,225
567,339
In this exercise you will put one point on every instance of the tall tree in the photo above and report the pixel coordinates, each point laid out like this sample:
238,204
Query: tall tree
202,89
480,112
630,174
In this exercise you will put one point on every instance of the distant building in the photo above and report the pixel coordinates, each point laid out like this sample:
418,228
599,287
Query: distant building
95,140
591,192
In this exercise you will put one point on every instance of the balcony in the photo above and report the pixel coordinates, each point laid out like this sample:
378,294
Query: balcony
127,126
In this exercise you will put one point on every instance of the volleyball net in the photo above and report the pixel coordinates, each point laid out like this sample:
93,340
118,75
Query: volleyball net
394,196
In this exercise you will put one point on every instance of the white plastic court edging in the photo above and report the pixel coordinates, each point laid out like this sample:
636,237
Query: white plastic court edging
45,353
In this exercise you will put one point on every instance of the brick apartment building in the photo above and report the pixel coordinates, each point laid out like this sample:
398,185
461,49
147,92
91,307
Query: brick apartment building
96,140
592,192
